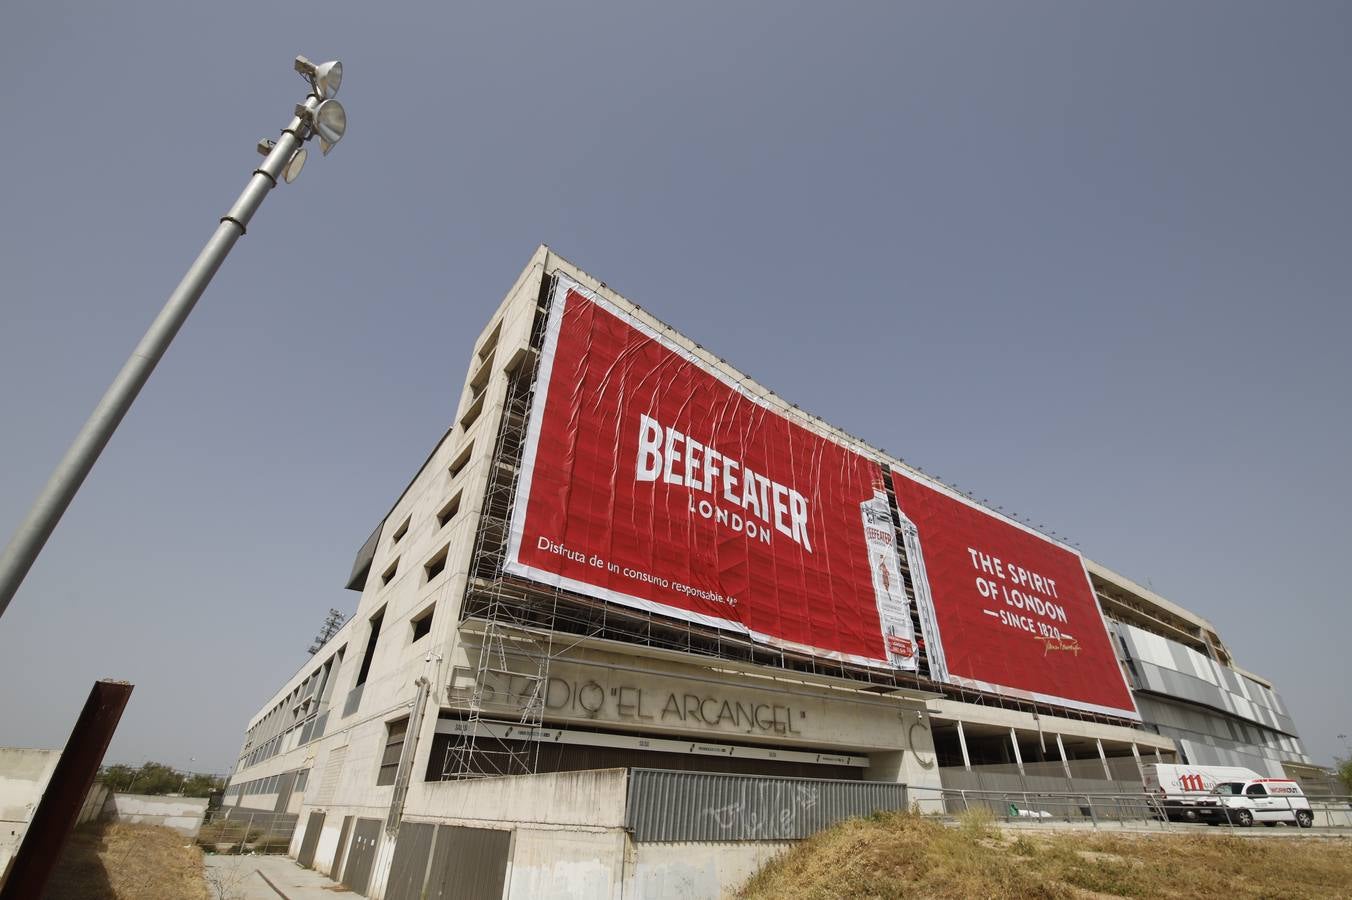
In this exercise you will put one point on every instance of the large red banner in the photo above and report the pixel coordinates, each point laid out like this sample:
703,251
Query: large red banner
1003,608
653,481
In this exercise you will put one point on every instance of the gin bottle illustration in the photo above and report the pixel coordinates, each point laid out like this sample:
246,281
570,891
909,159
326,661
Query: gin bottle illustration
894,614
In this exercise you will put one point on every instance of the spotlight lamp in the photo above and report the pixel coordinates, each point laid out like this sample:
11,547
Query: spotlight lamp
325,78
320,115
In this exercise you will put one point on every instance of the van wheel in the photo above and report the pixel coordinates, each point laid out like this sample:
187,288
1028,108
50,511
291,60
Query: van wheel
1242,817
1304,818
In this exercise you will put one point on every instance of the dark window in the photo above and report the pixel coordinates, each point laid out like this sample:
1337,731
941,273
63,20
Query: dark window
370,646
403,530
448,511
437,564
423,624
390,572
461,461
1256,790
394,746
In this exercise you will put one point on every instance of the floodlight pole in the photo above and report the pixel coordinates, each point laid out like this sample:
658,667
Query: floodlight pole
74,467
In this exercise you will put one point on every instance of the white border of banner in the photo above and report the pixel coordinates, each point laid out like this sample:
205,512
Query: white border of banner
558,296
1005,690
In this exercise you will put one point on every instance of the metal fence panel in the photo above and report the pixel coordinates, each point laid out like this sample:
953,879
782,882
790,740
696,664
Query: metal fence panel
666,805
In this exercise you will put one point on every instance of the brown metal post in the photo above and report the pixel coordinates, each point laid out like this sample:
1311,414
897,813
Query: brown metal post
59,808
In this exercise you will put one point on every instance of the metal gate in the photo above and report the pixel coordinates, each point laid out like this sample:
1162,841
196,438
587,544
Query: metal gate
313,826
362,856
468,864
336,870
408,869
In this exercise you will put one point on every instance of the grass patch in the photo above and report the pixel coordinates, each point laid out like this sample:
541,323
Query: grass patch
903,855
120,861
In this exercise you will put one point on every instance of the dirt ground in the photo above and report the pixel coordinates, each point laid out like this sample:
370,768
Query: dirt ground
117,861
899,855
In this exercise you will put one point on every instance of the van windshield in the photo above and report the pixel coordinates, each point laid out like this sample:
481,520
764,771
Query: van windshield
1228,788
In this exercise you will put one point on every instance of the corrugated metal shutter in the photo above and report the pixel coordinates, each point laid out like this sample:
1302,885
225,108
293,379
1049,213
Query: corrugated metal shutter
310,841
408,869
699,806
468,864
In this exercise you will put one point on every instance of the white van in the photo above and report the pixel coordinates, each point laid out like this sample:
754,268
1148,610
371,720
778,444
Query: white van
1266,800
1181,789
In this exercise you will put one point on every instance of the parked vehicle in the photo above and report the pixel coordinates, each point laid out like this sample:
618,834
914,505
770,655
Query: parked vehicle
1266,800
1180,790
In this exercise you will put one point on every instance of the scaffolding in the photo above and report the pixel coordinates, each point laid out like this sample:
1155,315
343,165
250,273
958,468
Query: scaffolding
516,628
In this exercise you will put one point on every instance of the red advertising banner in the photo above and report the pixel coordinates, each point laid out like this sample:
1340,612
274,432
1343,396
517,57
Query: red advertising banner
653,481
1003,608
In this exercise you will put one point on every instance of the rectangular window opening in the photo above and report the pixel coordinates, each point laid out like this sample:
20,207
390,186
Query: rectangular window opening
394,747
490,342
422,625
437,564
370,647
448,511
461,461
390,572
402,530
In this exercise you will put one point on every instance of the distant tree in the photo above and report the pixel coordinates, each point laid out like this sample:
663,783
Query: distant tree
118,777
202,785
1343,768
157,778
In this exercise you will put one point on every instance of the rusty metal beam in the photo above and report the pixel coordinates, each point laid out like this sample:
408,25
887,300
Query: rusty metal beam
66,792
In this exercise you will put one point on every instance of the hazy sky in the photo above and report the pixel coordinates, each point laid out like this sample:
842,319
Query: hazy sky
1090,261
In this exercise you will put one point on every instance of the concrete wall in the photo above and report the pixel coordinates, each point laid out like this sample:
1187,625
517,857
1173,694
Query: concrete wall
566,863
24,775
690,871
182,814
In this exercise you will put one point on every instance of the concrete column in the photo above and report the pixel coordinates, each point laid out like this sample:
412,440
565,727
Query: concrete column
1140,770
1103,757
962,742
1018,757
1065,764
916,765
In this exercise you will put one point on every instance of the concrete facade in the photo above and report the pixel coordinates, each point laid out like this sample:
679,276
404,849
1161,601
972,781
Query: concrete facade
331,741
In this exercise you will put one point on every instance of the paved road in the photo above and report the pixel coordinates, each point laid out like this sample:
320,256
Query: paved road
268,878
1156,828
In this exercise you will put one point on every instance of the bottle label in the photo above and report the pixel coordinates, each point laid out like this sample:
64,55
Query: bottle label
894,611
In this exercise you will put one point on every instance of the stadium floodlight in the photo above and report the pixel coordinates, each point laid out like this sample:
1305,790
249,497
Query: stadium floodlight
330,123
325,78
293,167
319,115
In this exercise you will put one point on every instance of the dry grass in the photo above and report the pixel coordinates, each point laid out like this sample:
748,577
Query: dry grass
899,855
118,861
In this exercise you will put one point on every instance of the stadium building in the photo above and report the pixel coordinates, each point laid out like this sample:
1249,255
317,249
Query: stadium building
637,621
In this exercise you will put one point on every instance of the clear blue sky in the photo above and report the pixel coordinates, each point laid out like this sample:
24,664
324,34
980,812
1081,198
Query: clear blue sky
1090,261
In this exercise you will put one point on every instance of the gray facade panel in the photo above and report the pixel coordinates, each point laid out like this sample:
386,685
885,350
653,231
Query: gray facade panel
669,805
468,864
408,869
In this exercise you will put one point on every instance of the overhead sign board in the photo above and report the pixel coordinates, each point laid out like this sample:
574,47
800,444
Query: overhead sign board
1003,608
652,480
